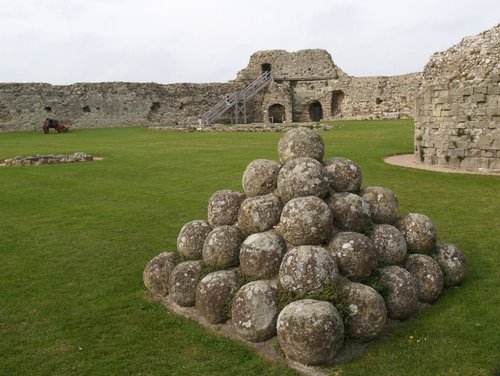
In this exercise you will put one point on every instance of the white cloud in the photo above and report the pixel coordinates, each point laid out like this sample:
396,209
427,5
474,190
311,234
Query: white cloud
65,41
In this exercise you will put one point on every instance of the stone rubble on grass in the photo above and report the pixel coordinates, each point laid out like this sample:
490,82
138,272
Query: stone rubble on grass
305,254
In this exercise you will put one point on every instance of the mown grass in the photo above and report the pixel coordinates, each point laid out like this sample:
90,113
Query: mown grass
74,240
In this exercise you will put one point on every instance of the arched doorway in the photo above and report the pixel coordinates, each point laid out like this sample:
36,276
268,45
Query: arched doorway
315,111
337,99
276,113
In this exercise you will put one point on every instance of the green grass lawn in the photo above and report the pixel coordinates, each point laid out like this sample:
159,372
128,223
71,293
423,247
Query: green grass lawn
74,240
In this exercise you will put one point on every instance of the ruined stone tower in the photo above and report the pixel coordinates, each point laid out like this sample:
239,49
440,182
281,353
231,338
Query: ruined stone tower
458,105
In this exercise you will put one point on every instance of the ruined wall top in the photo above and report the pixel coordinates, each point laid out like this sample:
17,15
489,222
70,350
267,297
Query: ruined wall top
475,58
311,64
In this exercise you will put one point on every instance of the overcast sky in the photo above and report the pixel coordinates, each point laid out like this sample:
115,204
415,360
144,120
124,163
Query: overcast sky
173,41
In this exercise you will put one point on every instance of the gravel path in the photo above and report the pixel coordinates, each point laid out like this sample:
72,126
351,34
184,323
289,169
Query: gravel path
407,160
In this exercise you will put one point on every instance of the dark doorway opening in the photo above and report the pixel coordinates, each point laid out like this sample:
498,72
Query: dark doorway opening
315,111
276,113
337,99
266,67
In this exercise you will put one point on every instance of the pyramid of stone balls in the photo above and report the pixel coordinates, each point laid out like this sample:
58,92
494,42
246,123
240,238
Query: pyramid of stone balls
264,258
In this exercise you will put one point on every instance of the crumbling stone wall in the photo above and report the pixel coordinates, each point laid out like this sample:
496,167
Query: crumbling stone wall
109,104
458,105
321,90
308,86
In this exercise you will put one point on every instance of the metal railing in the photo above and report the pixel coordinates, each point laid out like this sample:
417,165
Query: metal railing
237,100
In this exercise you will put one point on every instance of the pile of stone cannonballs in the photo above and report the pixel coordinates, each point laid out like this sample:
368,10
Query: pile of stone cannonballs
302,225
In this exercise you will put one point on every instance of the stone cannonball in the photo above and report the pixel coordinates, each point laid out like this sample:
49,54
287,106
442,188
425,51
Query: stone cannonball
384,204
222,247
260,177
390,245
354,254
255,310
261,255
223,207
157,272
402,292
259,214
428,276
310,331
306,221
215,291
343,174
452,262
307,269
367,312
183,282
300,142
419,233
302,177
191,238
350,212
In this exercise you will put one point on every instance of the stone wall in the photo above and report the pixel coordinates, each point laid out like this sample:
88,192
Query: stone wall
110,104
307,86
458,105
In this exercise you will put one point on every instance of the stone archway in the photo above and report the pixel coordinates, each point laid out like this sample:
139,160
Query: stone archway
276,113
266,67
315,111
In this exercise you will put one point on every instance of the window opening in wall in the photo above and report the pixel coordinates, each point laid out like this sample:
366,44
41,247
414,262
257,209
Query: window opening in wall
86,109
155,106
276,113
337,99
47,109
315,111
378,100
266,67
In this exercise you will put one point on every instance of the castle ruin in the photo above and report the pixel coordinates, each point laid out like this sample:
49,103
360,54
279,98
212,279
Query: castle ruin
455,101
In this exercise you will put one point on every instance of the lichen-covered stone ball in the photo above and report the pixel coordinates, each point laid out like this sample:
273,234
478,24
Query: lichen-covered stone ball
428,276
390,245
367,312
157,273
300,142
302,177
384,204
222,247
191,238
255,310
260,177
261,255
310,331
343,174
401,298
350,212
354,254
306,269
223,207
419,233
214,293
452,262
183,282
306,221
259,214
